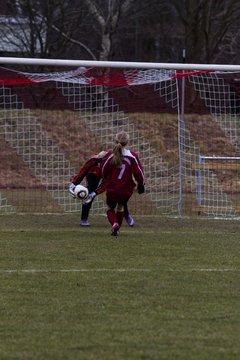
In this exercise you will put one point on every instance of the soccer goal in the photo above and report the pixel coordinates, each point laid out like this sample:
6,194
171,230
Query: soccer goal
183,121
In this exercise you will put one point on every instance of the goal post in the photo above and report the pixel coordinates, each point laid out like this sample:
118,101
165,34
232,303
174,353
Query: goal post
217,164
180,118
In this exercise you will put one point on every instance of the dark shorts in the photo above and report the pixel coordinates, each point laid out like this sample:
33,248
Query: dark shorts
113,203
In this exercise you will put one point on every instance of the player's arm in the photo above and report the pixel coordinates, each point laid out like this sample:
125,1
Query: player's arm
138,174
103,184
76,180
105,171
99,190
101,187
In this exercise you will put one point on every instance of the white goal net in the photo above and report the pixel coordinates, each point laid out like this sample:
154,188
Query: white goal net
183,125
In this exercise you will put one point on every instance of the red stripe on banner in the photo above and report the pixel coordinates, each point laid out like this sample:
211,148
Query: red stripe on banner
12,82
183,73
109,78
12,77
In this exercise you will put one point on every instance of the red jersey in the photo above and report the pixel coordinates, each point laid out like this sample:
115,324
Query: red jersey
118,181
92,166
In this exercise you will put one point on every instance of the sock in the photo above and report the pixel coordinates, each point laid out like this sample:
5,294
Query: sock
85,211
126,212
111,215
120,216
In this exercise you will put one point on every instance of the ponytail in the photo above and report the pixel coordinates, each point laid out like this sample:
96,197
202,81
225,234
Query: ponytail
117,155
121,140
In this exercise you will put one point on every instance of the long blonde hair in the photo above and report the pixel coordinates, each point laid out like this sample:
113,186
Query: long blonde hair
121,140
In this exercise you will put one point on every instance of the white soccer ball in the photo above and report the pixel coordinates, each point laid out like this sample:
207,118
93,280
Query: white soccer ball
81,192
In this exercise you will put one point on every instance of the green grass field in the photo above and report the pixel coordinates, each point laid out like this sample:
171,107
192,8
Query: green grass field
168,289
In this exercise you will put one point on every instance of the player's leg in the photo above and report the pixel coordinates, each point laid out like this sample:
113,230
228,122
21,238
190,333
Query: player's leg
120,214
112,216
92,183
111,213
129,219
85,213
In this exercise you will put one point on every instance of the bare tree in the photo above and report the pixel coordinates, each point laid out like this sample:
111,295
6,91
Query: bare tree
42,28
107,15
137,30
205,26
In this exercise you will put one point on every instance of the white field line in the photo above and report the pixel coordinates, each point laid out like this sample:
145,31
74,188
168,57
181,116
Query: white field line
87,230
69,270
10,271
125,231
206,270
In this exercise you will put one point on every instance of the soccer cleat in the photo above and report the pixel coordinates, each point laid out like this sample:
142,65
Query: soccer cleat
115,229
130,220
84,223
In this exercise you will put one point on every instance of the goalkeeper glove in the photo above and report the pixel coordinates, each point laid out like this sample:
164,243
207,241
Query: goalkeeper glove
71,190
90,197
141,189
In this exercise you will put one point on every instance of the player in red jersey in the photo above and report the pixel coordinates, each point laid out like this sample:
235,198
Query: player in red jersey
118,168
91,171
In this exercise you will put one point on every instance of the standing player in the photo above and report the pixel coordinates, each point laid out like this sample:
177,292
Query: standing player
91,170
118,169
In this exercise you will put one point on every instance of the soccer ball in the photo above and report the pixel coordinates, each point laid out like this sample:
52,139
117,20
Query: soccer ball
81,192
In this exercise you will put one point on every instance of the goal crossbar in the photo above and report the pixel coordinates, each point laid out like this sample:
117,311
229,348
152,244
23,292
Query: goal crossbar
117,64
